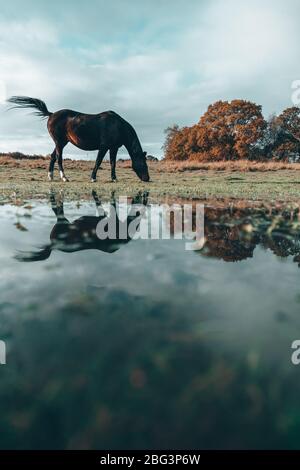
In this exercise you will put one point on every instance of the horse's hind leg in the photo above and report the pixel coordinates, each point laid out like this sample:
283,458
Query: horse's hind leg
51,165
59,151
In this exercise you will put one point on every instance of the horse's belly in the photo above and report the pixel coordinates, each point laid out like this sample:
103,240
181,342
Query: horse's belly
90,132
83,143
83,133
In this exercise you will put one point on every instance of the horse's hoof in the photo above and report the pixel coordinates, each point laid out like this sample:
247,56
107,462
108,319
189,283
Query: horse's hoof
93,180
114,180
63,177
50,177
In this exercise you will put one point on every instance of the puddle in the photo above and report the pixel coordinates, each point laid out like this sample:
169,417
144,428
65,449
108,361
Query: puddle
142,344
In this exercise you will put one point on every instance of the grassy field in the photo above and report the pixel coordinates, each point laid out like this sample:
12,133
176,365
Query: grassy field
25,179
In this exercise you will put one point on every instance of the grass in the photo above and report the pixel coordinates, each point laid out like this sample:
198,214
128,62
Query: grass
240,165
26,178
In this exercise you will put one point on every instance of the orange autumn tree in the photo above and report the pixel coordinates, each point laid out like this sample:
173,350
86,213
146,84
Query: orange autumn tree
177,143
227,131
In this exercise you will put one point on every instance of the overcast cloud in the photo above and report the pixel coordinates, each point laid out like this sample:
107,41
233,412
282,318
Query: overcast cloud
156,63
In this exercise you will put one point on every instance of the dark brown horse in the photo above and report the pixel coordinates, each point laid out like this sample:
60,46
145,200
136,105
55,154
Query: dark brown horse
104,131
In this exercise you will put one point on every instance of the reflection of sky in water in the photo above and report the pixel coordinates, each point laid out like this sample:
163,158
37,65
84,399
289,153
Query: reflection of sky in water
248,309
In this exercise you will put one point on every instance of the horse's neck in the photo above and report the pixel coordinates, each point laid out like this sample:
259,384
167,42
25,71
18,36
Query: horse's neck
134,147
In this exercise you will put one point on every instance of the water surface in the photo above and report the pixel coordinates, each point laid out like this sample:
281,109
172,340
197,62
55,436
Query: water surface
145,344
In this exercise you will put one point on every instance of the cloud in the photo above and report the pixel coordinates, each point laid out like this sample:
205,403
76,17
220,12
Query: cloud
156,63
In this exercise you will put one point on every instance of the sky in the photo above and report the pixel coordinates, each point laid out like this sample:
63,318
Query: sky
157,63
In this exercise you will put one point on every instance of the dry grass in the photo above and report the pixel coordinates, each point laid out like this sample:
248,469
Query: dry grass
232,166
40,162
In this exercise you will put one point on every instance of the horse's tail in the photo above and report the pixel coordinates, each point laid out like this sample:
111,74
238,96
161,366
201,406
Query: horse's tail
27,102
30,256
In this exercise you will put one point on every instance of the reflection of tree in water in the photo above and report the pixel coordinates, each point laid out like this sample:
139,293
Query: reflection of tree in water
233,234
225,242
284,246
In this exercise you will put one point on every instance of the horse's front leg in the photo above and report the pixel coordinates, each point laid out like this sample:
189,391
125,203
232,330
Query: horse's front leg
100,212
101,154
113,157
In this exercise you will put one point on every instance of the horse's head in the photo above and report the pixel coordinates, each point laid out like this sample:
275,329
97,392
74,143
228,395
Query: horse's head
139,165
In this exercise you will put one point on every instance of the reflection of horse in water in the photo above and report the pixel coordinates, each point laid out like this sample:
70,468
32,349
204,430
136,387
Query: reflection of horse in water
79,235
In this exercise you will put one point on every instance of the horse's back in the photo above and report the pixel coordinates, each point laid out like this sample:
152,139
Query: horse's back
66,114
89,131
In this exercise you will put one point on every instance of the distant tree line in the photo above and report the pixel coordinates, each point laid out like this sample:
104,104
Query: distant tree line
236,130
21,156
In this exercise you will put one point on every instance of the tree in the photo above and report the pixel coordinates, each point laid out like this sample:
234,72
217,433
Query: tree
281,138
288,144
289,121
176,143
227,131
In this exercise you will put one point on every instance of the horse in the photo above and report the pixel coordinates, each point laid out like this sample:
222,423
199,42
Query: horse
81,234
104,131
